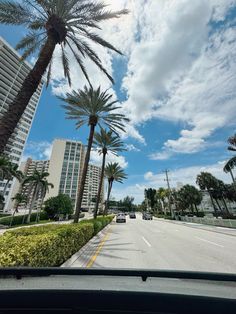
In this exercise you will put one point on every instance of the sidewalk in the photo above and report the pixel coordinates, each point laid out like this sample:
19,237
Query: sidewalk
217,229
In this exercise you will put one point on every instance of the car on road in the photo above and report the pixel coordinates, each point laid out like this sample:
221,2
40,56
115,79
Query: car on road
147,216
132,215
120,218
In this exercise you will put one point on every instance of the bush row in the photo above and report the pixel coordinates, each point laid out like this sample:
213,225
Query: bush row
99,223
48,245
18,219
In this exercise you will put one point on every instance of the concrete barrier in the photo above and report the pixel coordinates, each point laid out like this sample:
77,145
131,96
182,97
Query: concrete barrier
229,223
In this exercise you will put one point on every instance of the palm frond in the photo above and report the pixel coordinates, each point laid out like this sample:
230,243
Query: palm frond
230,164
65,64
14,13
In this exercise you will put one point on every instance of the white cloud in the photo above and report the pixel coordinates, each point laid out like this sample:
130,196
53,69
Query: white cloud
96,158
175,71
160,156
132,148
38,150
187,175
178,73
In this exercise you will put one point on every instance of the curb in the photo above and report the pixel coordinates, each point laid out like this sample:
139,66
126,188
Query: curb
88,250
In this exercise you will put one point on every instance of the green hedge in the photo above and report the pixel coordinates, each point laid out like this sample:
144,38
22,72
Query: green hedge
43,249
17,220
99,223
47,245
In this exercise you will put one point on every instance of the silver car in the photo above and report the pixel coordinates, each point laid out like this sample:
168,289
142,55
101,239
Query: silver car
120,218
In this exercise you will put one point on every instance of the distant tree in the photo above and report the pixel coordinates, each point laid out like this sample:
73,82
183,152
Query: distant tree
150,196
190,197
127,202
230,165
58,205
207,182
114,173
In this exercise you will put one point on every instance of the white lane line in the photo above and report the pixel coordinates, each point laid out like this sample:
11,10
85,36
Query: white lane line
146,241
176,230
209,242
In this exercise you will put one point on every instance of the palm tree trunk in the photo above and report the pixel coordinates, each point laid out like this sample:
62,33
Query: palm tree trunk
11,118
83,179
213,204
100,186
15,211
226,207
108,197
32,204
232,176
218,204
196,208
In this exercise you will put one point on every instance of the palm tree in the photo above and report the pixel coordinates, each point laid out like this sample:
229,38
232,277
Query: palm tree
190,197
229,166
232,143
232,162
113,172
13,172
67,24
208,182
37,183
4,167
92,107
19,198
107,142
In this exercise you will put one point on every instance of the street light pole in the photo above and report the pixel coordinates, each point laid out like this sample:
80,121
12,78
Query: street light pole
169,190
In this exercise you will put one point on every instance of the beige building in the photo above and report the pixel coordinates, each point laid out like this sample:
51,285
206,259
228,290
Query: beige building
28,167
65,169
91,187
12,74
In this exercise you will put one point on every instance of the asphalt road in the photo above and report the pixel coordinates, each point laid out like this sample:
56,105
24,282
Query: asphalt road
160,244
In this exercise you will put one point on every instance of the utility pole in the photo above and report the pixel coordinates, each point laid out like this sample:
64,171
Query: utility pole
169,194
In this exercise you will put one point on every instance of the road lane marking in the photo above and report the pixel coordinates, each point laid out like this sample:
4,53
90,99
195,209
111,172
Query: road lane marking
209,242
146,241
100,246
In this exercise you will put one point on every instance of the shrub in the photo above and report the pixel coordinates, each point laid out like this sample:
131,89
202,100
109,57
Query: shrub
99,223
17,220
43,246
58,205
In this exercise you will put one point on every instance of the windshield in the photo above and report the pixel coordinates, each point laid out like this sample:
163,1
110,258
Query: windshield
117,134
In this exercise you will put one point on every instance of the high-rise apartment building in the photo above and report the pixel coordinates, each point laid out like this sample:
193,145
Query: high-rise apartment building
65,166
13,71
91,186
65,169
28,167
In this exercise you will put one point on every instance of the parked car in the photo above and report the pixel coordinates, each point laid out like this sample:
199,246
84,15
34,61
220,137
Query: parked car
132,215
85,210
147,216
120,218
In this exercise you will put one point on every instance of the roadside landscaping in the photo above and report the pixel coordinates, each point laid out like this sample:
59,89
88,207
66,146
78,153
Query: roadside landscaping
48,245
20,220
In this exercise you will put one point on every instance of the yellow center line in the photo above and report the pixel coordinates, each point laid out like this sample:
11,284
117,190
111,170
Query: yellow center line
100,246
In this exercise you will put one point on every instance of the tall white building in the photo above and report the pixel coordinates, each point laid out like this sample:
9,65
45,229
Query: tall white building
65,169
12,74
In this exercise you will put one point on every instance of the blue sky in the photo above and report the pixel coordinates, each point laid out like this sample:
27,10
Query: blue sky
176,83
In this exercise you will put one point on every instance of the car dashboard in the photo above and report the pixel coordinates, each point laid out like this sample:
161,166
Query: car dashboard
62,290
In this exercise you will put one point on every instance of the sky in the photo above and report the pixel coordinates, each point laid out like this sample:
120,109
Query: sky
176,81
